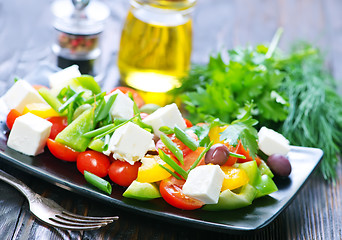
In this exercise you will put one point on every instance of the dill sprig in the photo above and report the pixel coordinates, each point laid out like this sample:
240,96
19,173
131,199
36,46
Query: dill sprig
315,111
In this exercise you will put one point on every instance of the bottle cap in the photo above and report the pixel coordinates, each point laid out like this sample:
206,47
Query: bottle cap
78,17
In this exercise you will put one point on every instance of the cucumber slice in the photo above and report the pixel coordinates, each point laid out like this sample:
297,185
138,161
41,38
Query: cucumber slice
142,191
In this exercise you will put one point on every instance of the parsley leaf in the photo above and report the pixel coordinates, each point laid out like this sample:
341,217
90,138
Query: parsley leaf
243,129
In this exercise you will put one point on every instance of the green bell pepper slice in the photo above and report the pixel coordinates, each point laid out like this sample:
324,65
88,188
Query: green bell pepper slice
97,145
265,185
86,82
72,135
229,200
252,171
51,99
264,169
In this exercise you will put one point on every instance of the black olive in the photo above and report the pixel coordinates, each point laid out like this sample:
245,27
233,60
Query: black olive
279,165
217,154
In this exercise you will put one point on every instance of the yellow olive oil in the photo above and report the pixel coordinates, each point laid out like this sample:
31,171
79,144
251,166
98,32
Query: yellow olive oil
155,51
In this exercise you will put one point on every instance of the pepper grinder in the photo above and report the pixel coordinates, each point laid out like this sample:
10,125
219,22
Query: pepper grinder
78,24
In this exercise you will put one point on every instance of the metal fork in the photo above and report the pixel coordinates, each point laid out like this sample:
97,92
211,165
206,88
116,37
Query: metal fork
51,213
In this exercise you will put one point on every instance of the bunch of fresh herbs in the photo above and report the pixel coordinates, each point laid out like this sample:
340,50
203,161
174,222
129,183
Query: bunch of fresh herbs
292,93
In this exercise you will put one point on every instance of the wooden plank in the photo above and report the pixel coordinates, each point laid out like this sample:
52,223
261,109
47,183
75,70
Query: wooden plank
11,202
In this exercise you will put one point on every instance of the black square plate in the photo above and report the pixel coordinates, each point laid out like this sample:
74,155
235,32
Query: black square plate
263,210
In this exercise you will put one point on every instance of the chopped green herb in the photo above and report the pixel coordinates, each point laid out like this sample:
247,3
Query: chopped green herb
185,138
98,182
166,130
169,171
72,99
95,98
99,131
172,147
105,110
110,131
173,164
200,156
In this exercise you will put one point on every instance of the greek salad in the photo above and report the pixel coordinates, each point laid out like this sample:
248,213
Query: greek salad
152,151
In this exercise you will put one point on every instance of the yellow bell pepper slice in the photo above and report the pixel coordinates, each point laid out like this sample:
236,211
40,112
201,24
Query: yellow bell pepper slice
150,171
214,133
234,178
42,110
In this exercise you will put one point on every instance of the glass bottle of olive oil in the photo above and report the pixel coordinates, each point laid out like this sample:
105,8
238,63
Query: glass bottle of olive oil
155,47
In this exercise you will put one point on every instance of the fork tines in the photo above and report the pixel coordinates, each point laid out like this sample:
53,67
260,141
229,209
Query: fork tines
72,221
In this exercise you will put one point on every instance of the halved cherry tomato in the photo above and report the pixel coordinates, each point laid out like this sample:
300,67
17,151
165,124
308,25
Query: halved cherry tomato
171,191
180,145
123,173
58,124
136,96
231,160
241,150
190,158
62,151
94,162
11,117
188,123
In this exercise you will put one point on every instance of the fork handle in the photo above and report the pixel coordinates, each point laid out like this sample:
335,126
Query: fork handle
19,185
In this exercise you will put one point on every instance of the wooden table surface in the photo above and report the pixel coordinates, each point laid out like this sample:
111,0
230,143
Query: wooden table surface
26,36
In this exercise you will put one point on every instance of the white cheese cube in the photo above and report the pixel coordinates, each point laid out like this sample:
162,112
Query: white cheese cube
122,106
29,134
169,116
63,78
130,143
272,142
204,183
21,94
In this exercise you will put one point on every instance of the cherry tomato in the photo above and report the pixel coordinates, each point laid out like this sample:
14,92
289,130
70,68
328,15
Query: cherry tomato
241,150
11,117
58,124
136,96
123,173
180,145
171,191
62,151
94,162
188,123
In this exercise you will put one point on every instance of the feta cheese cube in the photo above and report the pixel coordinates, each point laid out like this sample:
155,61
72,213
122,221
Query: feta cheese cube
130,143
204,183
62,78
271,142
29,134
21,94
122,106
169,116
